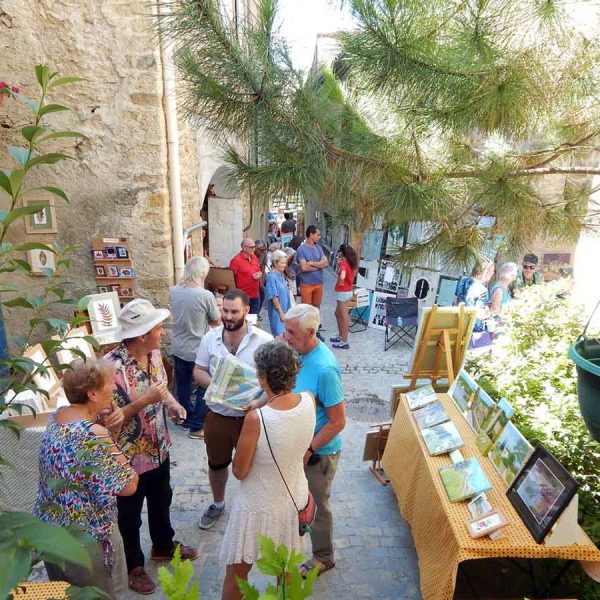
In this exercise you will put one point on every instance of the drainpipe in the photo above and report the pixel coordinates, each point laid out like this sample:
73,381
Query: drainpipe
174,172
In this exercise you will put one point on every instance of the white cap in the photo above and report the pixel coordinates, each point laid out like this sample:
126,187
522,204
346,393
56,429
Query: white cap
139,317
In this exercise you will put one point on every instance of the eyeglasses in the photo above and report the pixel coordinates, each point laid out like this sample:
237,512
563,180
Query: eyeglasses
249,246
529,267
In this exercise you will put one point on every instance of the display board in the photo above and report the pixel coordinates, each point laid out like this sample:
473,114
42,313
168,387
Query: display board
113,266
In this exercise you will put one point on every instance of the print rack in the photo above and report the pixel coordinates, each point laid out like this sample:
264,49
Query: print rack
113,267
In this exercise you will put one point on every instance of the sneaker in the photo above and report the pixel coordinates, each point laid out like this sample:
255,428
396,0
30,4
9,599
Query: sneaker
196,435
187,552
140,581
341,346
210,516
335,339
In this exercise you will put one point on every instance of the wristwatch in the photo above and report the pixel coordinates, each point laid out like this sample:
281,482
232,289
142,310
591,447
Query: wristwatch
311,450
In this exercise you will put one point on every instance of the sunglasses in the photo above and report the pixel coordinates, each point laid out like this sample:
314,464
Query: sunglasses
529,267
249,246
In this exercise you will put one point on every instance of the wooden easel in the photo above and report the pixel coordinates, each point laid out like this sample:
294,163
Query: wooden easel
374,446
442,339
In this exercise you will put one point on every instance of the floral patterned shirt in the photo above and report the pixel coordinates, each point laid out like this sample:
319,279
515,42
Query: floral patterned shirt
144,438
74,455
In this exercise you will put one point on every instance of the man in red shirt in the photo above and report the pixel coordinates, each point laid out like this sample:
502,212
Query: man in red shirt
247,272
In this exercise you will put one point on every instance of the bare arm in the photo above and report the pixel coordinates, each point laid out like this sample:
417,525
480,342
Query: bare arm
202,376
496,301
246,446
336,422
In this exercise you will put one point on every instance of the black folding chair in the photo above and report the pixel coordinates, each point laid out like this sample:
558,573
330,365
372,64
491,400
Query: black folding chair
401,320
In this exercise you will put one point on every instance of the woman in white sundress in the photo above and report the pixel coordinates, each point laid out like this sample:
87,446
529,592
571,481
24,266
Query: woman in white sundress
262,505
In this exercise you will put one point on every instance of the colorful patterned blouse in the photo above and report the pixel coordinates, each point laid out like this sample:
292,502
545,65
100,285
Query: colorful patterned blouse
92,477
145,438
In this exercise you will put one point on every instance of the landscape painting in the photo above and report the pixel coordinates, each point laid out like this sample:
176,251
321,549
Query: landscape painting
421,396
464,480
509,453
430,415
493,425
463,390
442,438
480,410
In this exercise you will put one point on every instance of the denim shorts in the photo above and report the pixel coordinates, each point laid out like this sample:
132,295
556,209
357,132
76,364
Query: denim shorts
343,296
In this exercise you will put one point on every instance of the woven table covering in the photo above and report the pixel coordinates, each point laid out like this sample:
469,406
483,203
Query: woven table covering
438,526
41,591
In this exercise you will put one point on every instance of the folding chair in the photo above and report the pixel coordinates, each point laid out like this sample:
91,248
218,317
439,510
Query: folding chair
401,320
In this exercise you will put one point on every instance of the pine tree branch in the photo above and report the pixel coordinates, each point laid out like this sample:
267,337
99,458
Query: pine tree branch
533,172
564,148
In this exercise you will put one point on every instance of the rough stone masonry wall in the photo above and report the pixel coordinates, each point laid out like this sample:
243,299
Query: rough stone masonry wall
118,186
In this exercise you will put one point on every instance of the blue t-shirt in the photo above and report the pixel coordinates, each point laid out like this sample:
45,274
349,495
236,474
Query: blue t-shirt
320,374
310,254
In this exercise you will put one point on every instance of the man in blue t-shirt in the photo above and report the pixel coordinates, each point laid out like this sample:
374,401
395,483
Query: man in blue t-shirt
319,374
312,261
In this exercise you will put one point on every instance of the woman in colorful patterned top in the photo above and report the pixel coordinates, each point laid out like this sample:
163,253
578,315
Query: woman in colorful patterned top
79,450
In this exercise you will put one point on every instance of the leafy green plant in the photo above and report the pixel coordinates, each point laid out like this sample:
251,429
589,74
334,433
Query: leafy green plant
283,565
175,584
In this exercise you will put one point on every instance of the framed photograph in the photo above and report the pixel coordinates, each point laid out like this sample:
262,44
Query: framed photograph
100,271
541,491
110,252
103,289
112,271
42,262
486,525
115,287
45,379
96,254
126,272
103,310
74,346
480,506
122,252
126,292
43,221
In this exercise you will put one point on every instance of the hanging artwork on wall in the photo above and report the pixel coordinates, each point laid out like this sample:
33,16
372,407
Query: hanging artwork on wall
367,274
371,245
42,262
43,221
377,313
423,285
388,277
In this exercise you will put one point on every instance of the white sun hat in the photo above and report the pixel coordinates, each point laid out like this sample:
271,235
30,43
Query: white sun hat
139,317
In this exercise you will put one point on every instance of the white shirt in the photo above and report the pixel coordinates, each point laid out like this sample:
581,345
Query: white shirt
212,347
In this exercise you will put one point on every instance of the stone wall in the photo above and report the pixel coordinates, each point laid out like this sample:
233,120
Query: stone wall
118,186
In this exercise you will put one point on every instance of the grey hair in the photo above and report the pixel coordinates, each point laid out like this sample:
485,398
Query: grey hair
508,270
274,246
278,364
196,270
277,256
308,316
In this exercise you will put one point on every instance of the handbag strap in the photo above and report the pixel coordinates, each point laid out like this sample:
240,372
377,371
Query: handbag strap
274,460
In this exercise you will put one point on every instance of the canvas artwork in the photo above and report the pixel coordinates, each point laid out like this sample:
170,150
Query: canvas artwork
421,396
493,425
480,410
41,261
430,415
377,313
367,274
541,492
464,480
556,265
442,438
371,245
463,390
388,277
43,221
509,453
479,506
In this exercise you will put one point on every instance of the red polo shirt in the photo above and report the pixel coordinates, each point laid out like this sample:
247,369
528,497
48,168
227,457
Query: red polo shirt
243,267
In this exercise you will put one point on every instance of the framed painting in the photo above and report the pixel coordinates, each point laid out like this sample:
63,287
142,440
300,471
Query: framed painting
541,491
75,346
43,221
103,310
43,262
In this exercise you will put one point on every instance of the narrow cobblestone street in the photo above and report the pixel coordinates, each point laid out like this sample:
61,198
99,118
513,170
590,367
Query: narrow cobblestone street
374,548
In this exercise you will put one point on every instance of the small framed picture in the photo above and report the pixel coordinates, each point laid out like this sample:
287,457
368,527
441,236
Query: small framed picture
43,221
122,252
96,254
42,262
103,289
126,272
100,271
112,270
480,506
125,292
486,525
115,287
110,252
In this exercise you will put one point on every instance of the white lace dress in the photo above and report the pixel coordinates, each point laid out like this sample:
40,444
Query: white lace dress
262,506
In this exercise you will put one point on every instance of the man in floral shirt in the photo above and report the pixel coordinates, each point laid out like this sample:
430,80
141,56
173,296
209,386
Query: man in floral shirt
143,396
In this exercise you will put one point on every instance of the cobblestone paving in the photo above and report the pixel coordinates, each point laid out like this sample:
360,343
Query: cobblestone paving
375,556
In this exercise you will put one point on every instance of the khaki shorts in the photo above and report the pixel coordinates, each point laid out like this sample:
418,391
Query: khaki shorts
221,436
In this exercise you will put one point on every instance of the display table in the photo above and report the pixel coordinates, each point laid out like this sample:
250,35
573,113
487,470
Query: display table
438,526
41,590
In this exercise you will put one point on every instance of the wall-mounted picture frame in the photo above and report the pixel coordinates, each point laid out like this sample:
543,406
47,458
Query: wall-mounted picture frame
42,262
541,491
100,271
97,254
121,252
103,310
110,252
43,221
126,272
112,271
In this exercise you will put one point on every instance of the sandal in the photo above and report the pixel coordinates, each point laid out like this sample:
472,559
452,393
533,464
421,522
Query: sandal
306,567
140,581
